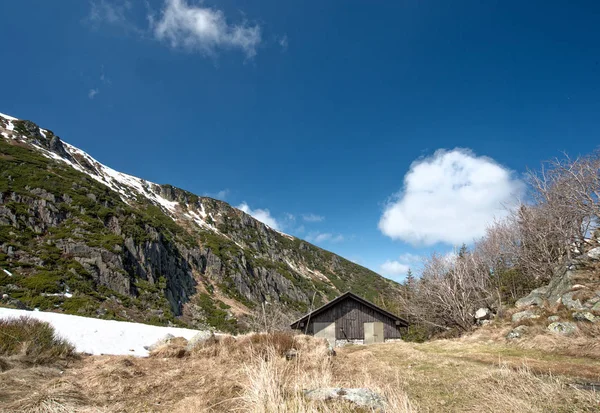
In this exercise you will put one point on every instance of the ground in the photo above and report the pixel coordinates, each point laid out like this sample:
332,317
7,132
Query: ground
479,373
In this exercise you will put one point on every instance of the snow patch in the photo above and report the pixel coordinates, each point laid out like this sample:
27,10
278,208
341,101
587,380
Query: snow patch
95,336
283,233
8,117
7,272
202,211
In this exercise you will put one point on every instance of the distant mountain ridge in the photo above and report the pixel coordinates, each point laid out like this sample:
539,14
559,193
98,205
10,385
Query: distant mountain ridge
79,237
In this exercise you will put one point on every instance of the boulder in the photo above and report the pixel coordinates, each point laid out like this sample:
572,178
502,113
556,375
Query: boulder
594,253
517,332
165,340
523,315
553,318
197,339
483,314
563,327
361,397
596,307
571,303
536,297
585,316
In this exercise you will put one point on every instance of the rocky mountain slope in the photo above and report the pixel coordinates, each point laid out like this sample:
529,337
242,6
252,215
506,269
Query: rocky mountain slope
79,237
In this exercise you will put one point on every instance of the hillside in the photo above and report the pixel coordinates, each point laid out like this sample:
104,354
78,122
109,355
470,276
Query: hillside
79,237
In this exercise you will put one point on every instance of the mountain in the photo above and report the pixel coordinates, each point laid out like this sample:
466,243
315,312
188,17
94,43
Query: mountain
79,237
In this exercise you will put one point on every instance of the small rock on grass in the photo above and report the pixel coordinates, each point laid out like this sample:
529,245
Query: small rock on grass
517,332
361,397
563,327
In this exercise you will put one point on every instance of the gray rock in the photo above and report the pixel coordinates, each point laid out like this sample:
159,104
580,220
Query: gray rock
483,314
553,318
517,332
561,283
585,316
166,339
291,354
592,301
531,299
524,315
197,339
596,307
594,253
571,303
563,327
485,322
359,396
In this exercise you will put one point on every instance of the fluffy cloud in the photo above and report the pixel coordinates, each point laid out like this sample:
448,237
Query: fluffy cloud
203,29
263,215
401,265
92,93
312,218
394,268
319,237
450,198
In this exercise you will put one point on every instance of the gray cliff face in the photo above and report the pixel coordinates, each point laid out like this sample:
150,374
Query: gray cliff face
154,254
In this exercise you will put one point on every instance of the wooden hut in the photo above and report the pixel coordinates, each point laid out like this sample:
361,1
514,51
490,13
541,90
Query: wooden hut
351,319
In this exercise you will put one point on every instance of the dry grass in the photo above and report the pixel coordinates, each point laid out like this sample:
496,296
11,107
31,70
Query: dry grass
249,373
25,340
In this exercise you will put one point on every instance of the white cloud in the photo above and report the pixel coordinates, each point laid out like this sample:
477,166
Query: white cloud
283,42
203,29
401,265
220,195
318,237
92,93
111,12
449,197
313,218
394,268
263,215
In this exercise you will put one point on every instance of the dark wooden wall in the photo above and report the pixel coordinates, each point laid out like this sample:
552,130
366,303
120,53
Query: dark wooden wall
351,314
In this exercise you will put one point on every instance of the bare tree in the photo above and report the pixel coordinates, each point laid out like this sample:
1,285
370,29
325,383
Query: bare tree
565,210
449,291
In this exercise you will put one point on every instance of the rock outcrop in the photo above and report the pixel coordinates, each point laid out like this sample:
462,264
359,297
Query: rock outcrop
575,287
131,249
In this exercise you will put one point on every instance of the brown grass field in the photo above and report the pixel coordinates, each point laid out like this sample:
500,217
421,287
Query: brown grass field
478,373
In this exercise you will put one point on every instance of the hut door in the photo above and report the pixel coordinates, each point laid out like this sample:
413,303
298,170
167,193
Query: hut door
326,331
373,332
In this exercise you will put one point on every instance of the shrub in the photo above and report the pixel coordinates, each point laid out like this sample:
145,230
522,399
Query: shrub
35,341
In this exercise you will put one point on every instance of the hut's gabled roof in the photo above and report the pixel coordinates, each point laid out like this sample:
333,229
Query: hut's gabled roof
296,324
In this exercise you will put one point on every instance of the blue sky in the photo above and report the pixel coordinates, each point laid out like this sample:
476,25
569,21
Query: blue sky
335,121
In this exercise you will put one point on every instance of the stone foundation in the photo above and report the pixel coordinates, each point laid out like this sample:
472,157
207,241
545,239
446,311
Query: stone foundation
342,343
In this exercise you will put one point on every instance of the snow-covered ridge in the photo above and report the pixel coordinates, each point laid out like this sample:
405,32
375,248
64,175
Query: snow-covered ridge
128,186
